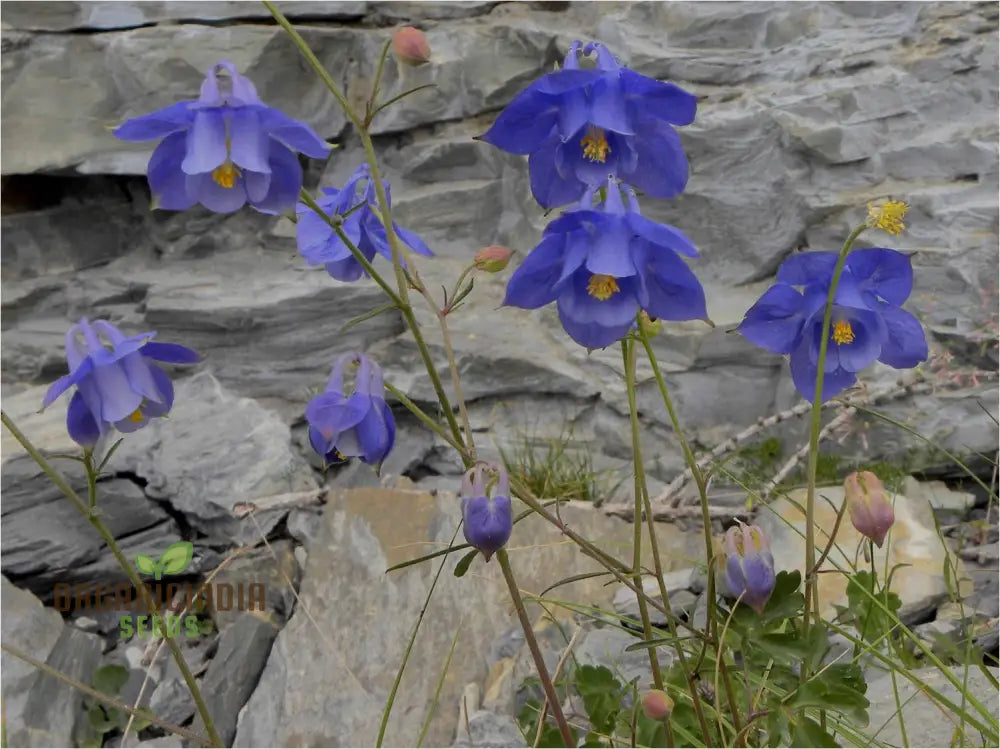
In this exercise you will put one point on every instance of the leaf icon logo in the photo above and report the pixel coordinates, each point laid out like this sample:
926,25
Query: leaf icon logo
174,560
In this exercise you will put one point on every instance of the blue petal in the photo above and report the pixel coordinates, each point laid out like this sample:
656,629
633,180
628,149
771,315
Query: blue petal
65,382
414,242
608,253
296,135
346,269
659,100
140,378
807,268
533,284
906,345
166,388
524,123
374,432
257,185
117,398
167,182
550,186
80,423
563,81
170,352
157,124
887,273
775,321
332,414
804,375
607,106
487,524
759,581
869,335
674,290
732,577
661,168
594,323
249,144
286,182
206,143
662,235
214,196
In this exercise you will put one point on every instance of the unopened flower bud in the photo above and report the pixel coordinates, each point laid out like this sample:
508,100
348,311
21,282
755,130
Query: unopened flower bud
410,46
656,704
487,521
748,574
492,259
871,511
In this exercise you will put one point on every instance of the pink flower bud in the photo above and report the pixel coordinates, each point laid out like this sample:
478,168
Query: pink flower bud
656,704
492,259
410,46
871,511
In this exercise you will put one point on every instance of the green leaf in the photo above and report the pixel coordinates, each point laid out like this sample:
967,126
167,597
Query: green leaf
784,647
98,721
177,557
785,601
809,733
601,693
463,293
110,679
388,307
145,565
107,457
836,698
464,563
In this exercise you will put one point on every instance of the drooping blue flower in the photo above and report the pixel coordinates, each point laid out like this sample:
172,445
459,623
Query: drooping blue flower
748,566
578,126
319,244
117,384
487,521
868,321
602,266
225,149
355,425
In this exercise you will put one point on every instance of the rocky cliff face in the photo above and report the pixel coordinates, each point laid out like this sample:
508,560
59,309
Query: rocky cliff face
807,111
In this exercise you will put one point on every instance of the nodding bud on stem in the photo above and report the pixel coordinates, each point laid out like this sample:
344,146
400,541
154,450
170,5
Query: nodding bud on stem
650,326
657,705
748,571
410,46
492,259
487,520
871,511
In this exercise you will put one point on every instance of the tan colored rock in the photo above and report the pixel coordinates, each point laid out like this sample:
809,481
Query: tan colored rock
330,671
912,542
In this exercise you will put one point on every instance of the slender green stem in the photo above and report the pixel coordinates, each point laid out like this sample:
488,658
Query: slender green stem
409,647
628,359
94,694
134,578
815,423
370,109
439,430
456,381
88,465
536,654
696,473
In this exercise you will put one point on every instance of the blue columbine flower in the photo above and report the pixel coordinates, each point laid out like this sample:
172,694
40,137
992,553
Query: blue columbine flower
602,266
225,149
868,322
487,521
577,126
358,425
748,569
117,384
320,245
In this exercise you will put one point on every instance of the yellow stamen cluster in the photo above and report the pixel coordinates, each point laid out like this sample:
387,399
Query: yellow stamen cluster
842,332
136,416
888,216
226,175
595,145
602,287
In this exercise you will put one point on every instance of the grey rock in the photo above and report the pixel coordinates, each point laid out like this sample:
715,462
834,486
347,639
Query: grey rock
607,647
949,506
312,675
275,568
233,673
681,586
925,722
52,708
179,459
172,701
488,729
